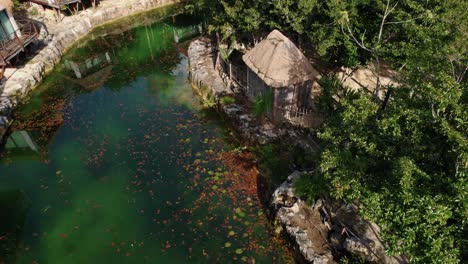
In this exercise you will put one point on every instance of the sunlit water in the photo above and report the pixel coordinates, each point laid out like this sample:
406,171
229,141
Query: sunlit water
113,161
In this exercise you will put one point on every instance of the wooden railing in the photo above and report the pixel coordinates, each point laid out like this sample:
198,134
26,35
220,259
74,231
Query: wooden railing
299,117
55,2
17,41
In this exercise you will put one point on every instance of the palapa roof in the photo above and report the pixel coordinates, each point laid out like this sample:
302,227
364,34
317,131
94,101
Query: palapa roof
278,62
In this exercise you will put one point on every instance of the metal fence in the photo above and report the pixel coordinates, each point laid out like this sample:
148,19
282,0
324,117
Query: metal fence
254,87
234,73
300,117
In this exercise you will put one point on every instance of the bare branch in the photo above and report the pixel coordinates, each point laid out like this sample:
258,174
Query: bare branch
402,67
359,43
453,69
462,75
404,21
457,71
383,21
393,7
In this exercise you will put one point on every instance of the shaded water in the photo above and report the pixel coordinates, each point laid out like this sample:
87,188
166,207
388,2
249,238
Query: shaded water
113,161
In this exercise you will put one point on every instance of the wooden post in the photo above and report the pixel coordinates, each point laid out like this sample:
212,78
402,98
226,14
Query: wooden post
248,84
35,28
230,71
19,41
2,71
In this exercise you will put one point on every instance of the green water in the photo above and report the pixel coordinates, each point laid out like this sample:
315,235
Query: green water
122,165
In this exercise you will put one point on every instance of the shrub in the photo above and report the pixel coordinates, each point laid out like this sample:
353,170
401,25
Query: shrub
263,104
310,186
228,100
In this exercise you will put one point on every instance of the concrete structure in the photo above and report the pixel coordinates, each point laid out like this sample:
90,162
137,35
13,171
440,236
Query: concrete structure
24,79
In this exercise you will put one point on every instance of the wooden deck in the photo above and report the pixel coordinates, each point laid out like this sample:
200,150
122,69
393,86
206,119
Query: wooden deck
55,3
19,40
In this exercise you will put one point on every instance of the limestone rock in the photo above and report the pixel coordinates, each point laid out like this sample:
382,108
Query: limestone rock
364,240
301,222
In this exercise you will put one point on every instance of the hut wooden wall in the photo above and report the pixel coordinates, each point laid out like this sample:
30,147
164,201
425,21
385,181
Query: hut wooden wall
291,101
256,86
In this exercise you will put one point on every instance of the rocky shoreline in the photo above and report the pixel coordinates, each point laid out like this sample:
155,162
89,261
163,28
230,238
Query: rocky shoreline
18,86
328,229
321,233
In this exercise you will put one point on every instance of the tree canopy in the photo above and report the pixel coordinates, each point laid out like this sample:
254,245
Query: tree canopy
403,161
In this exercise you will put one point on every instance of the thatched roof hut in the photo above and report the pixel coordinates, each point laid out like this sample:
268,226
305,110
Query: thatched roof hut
280,79
279,63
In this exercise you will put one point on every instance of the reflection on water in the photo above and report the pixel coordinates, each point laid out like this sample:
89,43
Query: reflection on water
125,168
92,73
21,140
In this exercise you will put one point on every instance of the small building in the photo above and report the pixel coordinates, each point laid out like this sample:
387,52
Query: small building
15,35
58,5
276,68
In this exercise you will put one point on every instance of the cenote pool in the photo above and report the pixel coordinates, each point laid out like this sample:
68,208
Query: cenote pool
114,161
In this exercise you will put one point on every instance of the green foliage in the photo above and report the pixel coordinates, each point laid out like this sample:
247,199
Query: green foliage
209,101
352,259
225,52
16,3
263,104
302,159
406,163
310,187
34,11
406,167
332,92
228,100
329,26
271,160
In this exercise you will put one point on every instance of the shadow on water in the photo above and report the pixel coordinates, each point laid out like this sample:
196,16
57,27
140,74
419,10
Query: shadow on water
14,206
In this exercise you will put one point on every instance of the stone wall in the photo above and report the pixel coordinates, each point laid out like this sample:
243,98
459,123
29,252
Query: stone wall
328,229
18,86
